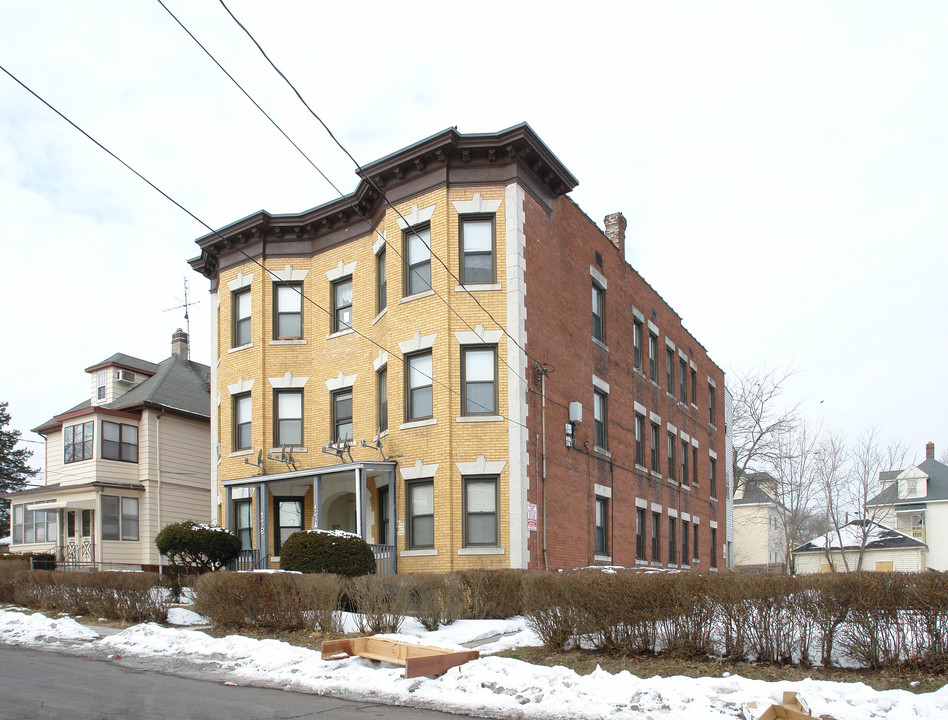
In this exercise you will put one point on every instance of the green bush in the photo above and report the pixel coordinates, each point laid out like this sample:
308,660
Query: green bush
319,551
198,547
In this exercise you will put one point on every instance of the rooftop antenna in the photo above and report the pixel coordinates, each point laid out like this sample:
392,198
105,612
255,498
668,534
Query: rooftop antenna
187,319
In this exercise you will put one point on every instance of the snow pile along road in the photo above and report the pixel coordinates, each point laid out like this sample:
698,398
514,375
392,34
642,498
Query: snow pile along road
492,686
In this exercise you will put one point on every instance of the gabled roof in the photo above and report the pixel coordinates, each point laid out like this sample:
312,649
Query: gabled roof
937,485
175,384
880,537
754,492
125,361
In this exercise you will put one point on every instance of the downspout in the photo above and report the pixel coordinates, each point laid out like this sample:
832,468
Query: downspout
158,463
546,562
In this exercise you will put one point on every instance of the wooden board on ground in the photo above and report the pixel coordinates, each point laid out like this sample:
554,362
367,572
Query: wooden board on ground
793,707
418,659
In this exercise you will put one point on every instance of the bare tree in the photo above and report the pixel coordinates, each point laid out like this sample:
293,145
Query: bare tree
850,480
944,456
759,419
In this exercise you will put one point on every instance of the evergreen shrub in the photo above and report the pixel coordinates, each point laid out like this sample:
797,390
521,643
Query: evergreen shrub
320,551
197,547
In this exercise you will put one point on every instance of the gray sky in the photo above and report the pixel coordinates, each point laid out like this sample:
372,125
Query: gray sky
783,167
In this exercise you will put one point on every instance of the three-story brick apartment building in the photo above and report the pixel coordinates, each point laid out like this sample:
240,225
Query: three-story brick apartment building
419,363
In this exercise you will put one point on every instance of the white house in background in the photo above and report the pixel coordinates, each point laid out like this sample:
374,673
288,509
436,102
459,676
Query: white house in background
885,550
759,525
915,502
122,464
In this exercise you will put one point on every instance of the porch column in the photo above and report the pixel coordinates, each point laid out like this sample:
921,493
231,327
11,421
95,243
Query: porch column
392,520
262,523
317,500
228,501
360,501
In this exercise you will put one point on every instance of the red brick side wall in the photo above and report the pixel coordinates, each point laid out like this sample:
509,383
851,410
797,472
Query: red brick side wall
560,248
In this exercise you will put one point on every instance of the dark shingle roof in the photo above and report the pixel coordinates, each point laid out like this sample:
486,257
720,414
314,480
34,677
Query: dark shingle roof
754,494
127,361
937,485
880,537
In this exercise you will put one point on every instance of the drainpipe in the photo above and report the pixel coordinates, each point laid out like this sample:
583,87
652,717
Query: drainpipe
546,562
158,463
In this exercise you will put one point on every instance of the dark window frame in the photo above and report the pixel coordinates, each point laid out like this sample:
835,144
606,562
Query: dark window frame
637,345
694,465
602,525
384,519
338,309
714,551
239,425
467,513
672,461
124,447
711,403
670,371
338,418
410,403
463,253
640,440
695,556
466,402
239,529
653,357
656,433
639,533
70,444
598,298
685,540
381,388
277,418
672,540
411,516
684,462
411,274
123,522
601,424
381,282
656,537
241,328
694,387
278,315
683,379
713,477
277,527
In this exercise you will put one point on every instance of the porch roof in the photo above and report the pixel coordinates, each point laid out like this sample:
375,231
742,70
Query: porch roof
377,467
59,489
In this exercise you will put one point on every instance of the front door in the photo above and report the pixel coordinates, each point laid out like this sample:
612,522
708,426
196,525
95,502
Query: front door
288,519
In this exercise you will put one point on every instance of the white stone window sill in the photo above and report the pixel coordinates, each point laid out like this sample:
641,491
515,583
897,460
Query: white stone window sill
477,288
685,486
638,371
480,418
714,569
686,567
601,344
603,558
641,468
714,499
656,475
672,565
417,423
656,563
639,561
241,453
481,551
240,347
295,448
347,331
694,407
381,314
601,451
696,561
672,396
416,296
275,558
293,341
657,386
673,483
424,552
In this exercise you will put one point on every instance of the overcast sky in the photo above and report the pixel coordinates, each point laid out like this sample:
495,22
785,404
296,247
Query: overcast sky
783,167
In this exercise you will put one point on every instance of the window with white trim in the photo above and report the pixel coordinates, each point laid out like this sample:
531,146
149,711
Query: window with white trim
420,398
119,442
602,526
342,305
287,311
241,312
601,418
288,417
476,237
119,518
419,495
479,384
342,415
242,422
417,260
480,512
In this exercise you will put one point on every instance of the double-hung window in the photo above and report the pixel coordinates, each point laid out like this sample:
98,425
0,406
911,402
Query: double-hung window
241,311
684,462
77,442
713,480
639,440
119,518
419,405
672,541
711,404
342,305
243,524
477,250
479,388
653,357
420,513
480,512
694,387
342,415
242,422
600,417
599,312
683,380
714,547
694,548
670,371
383,400
640,533
119,442
685,537
672,465
100,385
602,525
637,345
417,260
288,417
694,465
287,311
656,537
381,283
656,453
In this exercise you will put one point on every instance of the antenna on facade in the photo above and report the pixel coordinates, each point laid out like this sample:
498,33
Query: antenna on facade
339,449
285,457
258,464
378,446
186,305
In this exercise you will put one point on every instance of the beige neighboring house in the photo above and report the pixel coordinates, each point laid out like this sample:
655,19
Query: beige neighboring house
759,525
886,550
121,465
915,502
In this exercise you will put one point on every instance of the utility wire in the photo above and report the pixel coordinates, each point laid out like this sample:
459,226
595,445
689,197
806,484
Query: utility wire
368,179
353,205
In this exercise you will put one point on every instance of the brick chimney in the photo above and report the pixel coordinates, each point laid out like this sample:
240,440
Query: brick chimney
615,230
930,451
179,344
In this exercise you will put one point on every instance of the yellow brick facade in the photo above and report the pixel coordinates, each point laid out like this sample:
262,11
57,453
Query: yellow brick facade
322,355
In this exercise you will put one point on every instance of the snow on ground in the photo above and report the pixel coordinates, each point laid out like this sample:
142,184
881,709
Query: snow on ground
490,686
183,616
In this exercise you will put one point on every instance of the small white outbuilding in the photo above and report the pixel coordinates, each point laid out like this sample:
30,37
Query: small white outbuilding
883,549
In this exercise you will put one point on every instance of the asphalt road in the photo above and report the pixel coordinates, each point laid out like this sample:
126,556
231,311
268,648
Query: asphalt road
41,684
